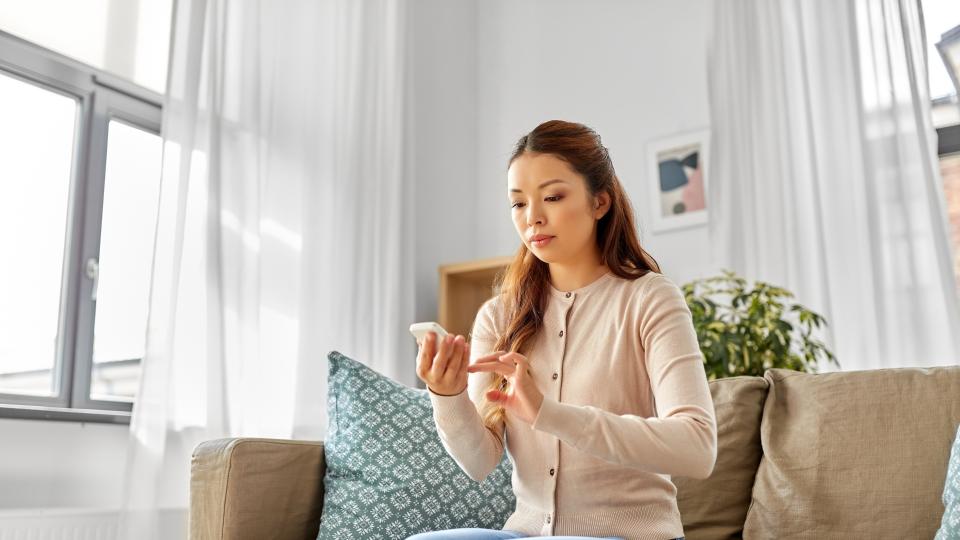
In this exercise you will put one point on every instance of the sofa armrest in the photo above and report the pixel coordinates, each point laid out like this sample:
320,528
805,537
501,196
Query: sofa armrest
244,488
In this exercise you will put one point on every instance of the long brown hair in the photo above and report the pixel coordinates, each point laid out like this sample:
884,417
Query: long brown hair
522,286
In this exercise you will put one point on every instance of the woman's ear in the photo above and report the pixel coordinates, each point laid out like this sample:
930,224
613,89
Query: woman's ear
601,205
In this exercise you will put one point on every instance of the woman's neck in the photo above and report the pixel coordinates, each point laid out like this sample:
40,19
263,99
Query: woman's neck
572,277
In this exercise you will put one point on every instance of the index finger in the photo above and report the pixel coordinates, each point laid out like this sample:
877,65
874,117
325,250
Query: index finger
489,357
497,367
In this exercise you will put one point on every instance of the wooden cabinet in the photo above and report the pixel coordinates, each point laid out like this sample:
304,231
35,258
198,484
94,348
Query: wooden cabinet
464,287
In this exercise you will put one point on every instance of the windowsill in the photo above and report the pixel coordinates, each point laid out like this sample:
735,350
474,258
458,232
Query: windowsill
36,412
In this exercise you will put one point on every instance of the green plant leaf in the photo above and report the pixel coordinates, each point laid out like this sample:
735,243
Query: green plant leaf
746,329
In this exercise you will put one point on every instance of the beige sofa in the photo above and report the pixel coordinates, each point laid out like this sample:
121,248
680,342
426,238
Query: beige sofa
835,455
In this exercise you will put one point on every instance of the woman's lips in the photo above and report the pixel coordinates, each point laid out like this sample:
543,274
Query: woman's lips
543,242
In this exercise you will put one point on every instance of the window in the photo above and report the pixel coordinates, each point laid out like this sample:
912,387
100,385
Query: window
38,137
942,28
949,150
80,159
131,193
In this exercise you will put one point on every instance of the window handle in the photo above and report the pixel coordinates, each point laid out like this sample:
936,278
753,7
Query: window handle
93,272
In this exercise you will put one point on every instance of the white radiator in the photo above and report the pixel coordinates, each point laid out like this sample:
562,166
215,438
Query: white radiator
58,524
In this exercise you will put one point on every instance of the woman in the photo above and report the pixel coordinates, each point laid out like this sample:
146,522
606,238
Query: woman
585,366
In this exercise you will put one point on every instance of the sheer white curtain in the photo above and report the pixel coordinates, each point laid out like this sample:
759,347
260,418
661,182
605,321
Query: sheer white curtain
824,173
283,231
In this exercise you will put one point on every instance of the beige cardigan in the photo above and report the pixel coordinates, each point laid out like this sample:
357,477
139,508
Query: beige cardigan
626,405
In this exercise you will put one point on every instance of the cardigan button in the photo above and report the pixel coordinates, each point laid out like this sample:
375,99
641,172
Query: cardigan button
561,333
555,376
552,471
568,295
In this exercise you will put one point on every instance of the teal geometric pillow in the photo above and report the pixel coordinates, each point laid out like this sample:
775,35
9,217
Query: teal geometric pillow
388,475
950,524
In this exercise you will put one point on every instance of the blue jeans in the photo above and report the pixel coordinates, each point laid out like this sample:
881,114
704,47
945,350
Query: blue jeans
493,534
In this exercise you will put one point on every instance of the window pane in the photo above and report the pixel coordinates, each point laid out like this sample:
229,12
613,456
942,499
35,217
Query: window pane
939,16
36,150
130,199
130,38
950,170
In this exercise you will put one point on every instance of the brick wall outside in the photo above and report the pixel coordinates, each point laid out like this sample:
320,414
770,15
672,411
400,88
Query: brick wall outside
950,171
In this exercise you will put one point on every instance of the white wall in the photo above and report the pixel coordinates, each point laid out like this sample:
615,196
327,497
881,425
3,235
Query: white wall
484,72
60,464
444,72
632,70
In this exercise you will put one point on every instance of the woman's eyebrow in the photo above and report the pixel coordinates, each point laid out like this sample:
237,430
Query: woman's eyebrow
541,186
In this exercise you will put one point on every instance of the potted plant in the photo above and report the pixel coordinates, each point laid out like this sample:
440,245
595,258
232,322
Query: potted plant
745,330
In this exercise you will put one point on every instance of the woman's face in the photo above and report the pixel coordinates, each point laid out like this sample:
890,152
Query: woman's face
549,199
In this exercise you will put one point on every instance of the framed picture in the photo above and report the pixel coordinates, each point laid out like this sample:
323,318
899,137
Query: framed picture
678,180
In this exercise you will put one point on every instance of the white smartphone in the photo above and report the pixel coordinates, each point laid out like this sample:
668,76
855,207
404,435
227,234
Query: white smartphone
419,330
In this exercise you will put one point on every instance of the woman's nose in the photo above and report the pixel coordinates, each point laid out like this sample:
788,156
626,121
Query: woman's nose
534,218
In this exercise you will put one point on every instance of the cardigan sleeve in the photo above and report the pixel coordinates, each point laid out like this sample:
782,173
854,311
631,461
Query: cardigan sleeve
682,439
476,448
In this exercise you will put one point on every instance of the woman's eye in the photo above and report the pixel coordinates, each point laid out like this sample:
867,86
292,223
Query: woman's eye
552,198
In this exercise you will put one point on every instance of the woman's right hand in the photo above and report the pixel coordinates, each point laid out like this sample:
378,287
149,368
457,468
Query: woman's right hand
444,368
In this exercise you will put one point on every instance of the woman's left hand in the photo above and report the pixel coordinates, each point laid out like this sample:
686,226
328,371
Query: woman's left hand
522,397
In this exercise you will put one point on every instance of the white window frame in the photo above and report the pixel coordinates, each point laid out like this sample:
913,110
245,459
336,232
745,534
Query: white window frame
101,97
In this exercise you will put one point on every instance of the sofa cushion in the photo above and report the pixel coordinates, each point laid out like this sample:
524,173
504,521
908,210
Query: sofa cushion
243,488
717,506
950,524
388,475
858,454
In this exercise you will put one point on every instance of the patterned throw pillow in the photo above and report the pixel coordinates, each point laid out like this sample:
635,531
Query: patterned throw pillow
388,475
950,525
